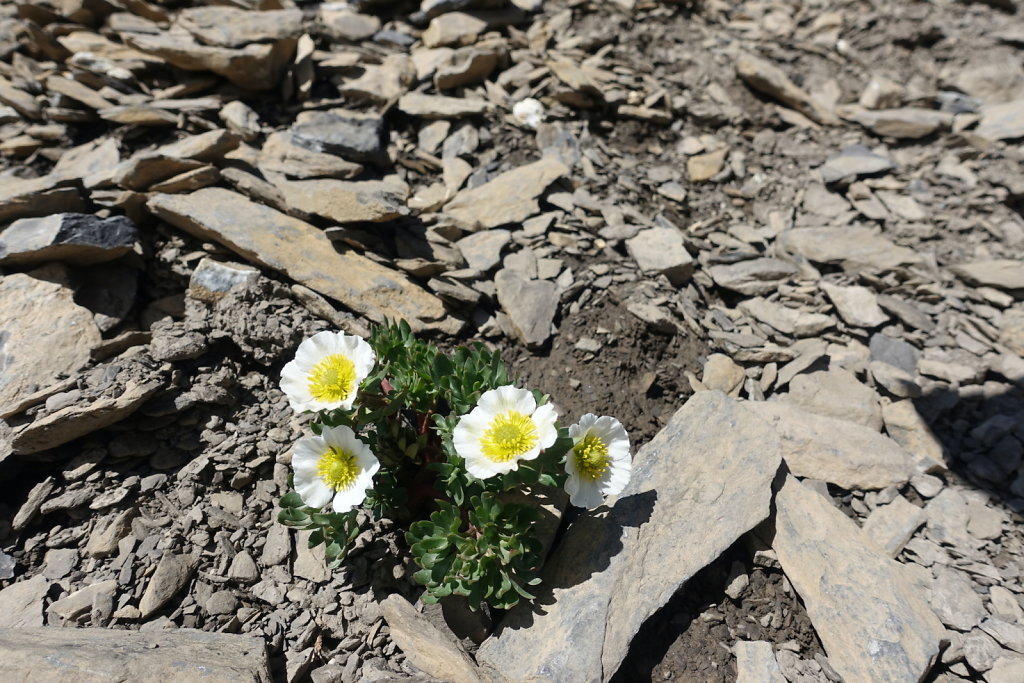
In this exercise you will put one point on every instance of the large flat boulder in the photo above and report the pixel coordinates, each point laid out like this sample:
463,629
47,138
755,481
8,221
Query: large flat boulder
874,623
703,481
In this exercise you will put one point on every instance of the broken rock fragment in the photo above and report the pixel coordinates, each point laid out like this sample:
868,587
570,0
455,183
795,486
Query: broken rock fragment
77,238
661,251
95,654
840,452
274,240
531,305
45,334
873,622
508,198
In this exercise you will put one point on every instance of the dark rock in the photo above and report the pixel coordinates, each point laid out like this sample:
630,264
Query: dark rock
77,238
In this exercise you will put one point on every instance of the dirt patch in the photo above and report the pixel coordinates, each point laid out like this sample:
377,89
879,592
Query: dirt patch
691,638
606,361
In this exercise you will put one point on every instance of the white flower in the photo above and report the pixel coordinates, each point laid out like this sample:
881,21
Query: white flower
599,463
528,112
506,426
335,465
326,371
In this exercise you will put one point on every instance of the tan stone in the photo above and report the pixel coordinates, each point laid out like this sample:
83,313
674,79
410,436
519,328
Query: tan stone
907,428
875,625
440,106
702,167
257,66
364,201
773,81
45,334
96,655
843,453
428,648
74,421
300,251
509,198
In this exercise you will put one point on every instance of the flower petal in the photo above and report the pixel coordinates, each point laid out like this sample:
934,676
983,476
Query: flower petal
313,491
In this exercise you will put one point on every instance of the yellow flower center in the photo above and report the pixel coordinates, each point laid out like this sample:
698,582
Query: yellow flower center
333,378
591,457
338,469
511,434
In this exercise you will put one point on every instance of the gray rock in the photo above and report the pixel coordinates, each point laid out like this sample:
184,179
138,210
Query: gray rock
77,238
345,201
212,279
954,600
856,305
947,519
172,574
510,197
310,563
243,568
104,538
482,250
281,154
722,374
1003,121
854,248
871,620
81,601
21,603
278,545
661,251
894,380
905,122
221,602
755,663
840,452
431,650
890,526
45,334
754,277
769,79
531,305
59,562
786,320
99,654
351,135
1006,634
854,162
75,421
1001,273
7,565
835,393
612,570
907,428
895,352
441,106
1006,670
271,239
980,651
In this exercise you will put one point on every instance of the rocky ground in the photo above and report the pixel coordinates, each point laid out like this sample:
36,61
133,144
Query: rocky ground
781,240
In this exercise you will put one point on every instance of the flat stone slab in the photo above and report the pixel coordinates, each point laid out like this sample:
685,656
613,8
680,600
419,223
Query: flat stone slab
875,625
703,481
302,252
43,333
840,452
508,198
87,655
78,238
854,248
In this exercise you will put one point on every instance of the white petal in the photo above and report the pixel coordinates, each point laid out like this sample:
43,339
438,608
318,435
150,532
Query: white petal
307,451
313,491
483,467
580,429
544,419
341,437
346,499
589,495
